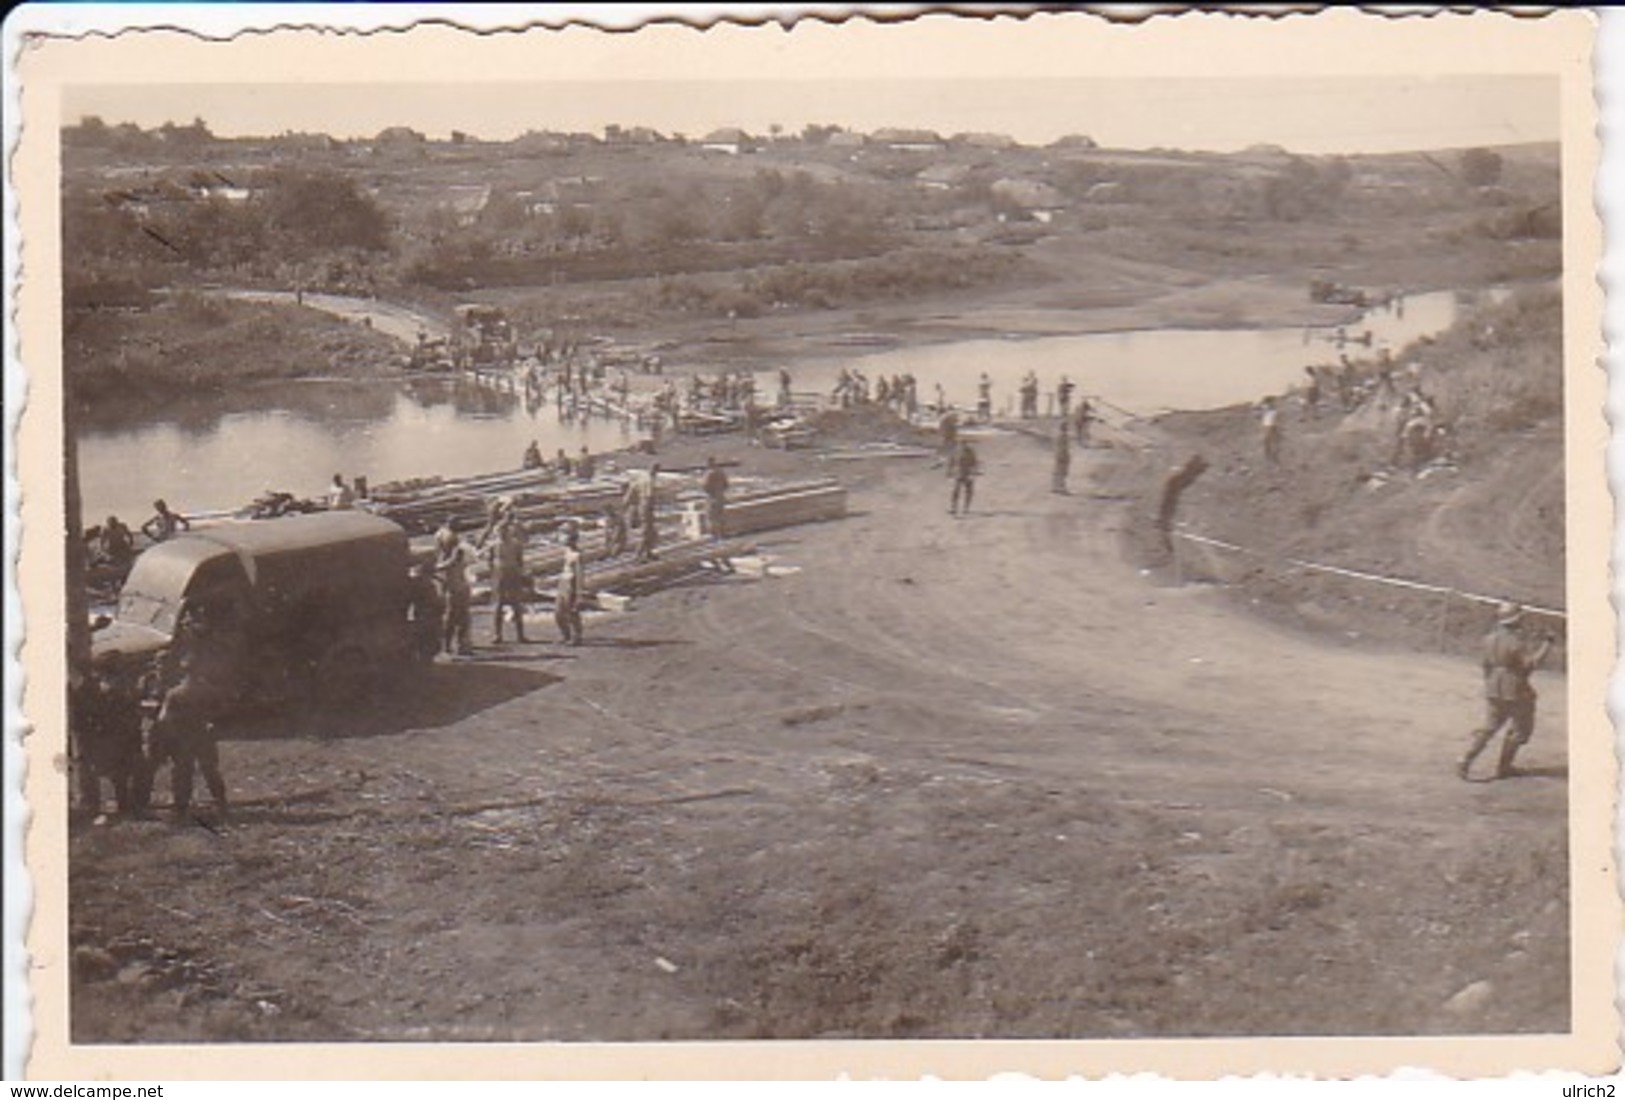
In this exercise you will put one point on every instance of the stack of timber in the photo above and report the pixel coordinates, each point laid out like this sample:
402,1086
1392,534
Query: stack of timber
696,422
626,576
785,506
465,504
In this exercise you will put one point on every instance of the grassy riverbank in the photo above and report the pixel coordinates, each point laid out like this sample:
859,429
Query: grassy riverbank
190,343
1491,522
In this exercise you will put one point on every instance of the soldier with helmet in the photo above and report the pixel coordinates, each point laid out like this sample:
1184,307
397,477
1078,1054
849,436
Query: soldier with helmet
1510,657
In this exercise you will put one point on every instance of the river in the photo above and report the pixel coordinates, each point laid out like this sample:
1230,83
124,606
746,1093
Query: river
221,450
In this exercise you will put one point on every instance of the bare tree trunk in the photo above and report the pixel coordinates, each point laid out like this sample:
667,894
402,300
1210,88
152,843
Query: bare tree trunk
78,603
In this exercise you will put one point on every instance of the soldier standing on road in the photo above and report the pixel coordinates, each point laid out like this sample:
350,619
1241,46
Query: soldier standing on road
451,566
949,427
964,468
984,398
614,528
1510,657
183,733
425,610
567,602
104,715
508,575
715,484
1063,396
1063,461
648,535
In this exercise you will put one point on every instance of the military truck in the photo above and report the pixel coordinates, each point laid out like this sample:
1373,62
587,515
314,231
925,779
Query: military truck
484,337
316,605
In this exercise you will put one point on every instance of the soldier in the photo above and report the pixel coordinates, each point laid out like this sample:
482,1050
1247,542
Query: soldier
115,546
507,558
164,523
984,398
649,533
715,484
1269,420
1510,657
614,529
1029,396
964,468
424,610
948,426
200,666
451,567
533,456
340,496
1063,396
567,603
105,721
1063,461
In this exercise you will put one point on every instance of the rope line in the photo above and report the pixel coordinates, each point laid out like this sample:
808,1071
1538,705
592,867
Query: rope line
1355,574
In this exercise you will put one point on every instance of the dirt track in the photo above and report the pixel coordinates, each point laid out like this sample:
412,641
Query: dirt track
956,777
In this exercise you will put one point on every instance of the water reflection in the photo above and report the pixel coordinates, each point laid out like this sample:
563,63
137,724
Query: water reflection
303,435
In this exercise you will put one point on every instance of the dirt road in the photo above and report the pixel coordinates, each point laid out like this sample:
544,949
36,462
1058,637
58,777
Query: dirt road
392,319
957,777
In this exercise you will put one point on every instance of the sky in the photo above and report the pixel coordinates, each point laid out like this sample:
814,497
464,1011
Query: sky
1305,115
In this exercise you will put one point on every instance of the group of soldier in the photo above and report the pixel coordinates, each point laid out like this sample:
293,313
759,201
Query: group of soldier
441,603
1419,436
129,723
1511,653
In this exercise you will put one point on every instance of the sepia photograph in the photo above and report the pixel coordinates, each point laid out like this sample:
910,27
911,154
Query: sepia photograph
947,529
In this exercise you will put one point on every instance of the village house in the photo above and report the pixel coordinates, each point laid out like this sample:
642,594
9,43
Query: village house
729,139
632,135
466,201
1073,141
985,141
535,142
909,141
1030,198
942,177
563,193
